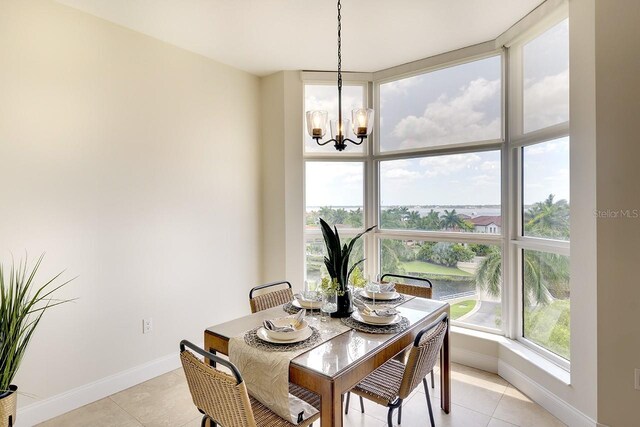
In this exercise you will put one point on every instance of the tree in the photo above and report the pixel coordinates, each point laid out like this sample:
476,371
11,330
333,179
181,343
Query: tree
431,221
426,251
354,219
449,254
546,275
414,220
451,220
548,219
489,272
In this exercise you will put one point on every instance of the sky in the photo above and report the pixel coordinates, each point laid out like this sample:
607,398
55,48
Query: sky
448,106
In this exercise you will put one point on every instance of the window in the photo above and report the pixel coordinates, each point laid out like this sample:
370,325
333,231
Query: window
546,308
453,105
479,208
546,78
541,146
453,192
325,97
334,191
467,275
545,189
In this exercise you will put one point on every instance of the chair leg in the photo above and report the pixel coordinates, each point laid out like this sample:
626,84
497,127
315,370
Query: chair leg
433,423
361,404
346,407
433,381
204,422
400,414
390,417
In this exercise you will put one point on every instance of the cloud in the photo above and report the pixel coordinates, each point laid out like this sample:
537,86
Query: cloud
450,120
446,165
490,165
546,101
402,174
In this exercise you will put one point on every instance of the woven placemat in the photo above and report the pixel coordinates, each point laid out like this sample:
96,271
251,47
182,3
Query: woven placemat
252,339
374,329
292,309
402,298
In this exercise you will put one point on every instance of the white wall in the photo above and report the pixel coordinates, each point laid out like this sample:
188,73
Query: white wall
283,177
618,175
136,166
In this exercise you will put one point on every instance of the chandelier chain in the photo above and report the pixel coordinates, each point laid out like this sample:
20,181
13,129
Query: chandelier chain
339,46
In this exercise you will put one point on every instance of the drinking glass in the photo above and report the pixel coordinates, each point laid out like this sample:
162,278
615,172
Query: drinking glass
314,296
329,305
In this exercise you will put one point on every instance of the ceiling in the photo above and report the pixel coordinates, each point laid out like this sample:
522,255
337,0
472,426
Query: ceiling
264,36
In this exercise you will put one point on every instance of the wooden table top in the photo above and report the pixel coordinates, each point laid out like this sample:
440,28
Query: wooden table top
342,352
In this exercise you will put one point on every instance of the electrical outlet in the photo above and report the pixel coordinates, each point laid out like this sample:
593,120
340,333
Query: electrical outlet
637,381
147,325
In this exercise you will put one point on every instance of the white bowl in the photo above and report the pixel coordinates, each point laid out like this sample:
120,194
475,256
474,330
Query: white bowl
287,336
378,320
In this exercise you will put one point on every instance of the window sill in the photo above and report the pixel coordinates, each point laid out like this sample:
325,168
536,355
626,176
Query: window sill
514,353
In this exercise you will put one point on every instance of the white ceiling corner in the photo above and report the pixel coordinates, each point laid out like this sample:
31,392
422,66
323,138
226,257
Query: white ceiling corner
264,36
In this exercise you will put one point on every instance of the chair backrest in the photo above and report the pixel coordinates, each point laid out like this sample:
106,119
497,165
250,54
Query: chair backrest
423,355
423,288
270,299
220,396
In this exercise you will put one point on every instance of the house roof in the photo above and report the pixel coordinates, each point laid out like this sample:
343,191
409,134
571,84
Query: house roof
486,220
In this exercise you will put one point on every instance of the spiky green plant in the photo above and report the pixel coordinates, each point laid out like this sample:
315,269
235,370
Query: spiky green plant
22,305
337,259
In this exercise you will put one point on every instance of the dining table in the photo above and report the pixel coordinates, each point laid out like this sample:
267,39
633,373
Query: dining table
334,367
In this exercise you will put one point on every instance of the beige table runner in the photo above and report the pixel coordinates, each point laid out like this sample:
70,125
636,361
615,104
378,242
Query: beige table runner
266,374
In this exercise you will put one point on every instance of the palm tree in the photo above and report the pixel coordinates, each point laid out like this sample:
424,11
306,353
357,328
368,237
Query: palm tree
451,220
489,272
548,219
431,221
413,220
546,275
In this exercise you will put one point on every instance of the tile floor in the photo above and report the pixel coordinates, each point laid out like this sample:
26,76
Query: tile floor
479,399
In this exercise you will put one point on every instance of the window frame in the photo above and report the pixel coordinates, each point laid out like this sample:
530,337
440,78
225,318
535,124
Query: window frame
517,140
511,239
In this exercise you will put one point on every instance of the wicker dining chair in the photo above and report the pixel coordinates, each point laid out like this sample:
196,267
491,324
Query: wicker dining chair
272,298
392,382
422,290
223,398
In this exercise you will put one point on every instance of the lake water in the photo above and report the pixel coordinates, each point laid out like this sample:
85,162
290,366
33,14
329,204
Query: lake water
471,211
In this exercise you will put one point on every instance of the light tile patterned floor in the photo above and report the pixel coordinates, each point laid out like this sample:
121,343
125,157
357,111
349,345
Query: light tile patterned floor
479,399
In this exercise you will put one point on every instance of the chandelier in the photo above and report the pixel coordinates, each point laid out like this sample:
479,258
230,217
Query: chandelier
361,118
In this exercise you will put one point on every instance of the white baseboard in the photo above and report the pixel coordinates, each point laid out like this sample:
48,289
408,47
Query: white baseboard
474,359
57,405
552,403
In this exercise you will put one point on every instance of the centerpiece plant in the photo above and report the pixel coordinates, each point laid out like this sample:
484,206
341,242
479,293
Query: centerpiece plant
337,263
22,305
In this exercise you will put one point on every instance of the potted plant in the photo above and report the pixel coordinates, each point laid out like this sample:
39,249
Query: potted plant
22,305
337,263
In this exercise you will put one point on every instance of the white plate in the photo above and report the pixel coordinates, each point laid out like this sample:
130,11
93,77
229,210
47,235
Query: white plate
307,304
262,334
382,296
393,320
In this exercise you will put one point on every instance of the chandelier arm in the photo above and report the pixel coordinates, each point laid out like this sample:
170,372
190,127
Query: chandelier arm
362,138
324,143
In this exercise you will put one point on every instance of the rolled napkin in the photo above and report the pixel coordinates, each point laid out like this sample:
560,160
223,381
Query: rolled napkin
377,287
387,287
385,312
296,323
364,308
369,311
